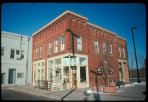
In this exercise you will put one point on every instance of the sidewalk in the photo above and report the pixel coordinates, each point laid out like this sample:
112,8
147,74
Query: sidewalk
123,93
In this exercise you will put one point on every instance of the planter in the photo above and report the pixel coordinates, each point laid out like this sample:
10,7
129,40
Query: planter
112,84
109,89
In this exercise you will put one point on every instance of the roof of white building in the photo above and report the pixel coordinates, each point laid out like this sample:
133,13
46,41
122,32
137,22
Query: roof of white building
14,34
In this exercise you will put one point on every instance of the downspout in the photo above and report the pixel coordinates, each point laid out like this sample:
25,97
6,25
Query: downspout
26,79
127,60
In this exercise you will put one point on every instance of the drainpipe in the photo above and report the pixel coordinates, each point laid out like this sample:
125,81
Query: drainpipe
26,79
127,61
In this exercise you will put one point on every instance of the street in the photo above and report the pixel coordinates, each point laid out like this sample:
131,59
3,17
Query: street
128,92
8,94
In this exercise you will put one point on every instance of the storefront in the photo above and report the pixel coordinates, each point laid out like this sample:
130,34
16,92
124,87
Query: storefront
66,71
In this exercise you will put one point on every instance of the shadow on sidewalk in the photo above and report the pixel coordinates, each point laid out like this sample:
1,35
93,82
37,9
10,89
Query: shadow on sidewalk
95,95
67,94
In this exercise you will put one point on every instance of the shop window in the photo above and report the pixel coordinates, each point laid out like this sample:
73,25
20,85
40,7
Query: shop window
82,74
58,76
73,60
66,60
42,64
66,74
50,76
42,74
82,61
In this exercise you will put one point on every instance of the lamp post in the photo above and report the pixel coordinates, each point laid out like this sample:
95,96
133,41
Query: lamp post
132,29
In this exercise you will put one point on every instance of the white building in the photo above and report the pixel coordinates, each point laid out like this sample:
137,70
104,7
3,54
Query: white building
16,59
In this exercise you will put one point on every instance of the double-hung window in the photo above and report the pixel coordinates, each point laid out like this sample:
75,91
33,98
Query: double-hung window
62,43
119,51
12,54
96,47
50,48
110,49
2,51
123,51
104,47
36,53
55,46
41,51
79,43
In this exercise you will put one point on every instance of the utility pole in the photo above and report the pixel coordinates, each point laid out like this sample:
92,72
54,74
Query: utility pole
139,81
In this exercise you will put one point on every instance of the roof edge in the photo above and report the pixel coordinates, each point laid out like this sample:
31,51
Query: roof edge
100,28
16,34
121,38
67,11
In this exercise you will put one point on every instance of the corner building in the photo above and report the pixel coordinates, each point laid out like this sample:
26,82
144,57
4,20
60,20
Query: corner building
69,49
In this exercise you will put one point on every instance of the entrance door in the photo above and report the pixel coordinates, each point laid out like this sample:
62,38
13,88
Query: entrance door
11,77
74,79
3,76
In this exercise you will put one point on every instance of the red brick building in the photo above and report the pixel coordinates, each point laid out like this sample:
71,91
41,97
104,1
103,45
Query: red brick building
53,50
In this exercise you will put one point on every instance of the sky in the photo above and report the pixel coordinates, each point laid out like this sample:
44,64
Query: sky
27,18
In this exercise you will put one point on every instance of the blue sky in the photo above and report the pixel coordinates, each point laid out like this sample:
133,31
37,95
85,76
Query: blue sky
27,18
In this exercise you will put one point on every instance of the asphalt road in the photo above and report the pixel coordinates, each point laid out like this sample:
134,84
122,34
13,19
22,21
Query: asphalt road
8,94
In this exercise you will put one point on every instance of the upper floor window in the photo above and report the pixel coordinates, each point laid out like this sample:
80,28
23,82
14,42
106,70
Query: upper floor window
12,54
2,51
50,48
41,51
55,46
62,43
119,51
79,43
36,53
96,47
17,52
22,54
123,51
110,49
104,47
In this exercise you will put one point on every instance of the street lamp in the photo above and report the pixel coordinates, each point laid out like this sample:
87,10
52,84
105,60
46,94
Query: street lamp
139,81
